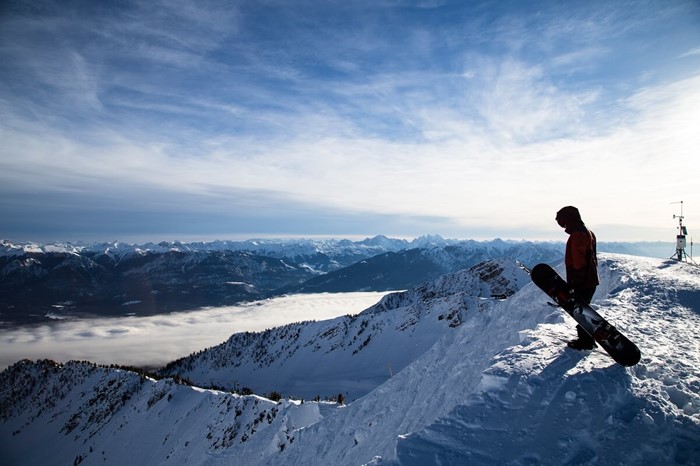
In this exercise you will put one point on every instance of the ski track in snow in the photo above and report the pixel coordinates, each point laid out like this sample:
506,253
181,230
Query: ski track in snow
501,389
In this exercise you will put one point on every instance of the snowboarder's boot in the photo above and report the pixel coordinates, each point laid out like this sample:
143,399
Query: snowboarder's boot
583,342
581,345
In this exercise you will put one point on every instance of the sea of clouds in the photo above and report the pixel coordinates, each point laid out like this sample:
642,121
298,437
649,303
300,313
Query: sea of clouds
156,340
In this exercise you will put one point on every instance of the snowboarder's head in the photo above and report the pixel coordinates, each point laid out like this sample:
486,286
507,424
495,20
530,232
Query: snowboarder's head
568,216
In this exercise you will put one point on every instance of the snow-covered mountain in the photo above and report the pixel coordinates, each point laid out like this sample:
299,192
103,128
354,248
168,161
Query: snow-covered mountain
410,267
43,281
38,282
69,284
351,355
124,279
494,385
279,248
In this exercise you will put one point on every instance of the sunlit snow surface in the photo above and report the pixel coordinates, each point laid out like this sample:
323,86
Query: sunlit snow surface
500,388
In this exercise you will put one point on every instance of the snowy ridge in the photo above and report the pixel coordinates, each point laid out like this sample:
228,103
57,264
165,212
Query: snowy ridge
498,388
503,390
79,412
351,355
271,247
563,407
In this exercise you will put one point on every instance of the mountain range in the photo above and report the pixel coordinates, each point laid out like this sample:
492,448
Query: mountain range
468,368
39,282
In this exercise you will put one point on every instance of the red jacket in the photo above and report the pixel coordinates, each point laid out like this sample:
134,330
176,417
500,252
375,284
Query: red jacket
581,260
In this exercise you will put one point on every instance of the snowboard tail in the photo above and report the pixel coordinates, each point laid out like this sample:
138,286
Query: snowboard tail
618,346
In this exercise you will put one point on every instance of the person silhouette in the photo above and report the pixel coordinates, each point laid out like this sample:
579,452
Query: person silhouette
581,263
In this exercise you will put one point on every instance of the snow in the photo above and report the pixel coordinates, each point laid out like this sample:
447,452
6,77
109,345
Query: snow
498,388
555,406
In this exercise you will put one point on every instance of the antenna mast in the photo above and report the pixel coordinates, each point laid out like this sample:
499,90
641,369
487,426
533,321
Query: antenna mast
681,238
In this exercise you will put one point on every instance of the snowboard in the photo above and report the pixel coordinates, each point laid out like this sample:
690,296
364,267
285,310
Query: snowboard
622,350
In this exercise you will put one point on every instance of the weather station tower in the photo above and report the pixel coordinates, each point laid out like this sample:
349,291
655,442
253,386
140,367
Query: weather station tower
681,254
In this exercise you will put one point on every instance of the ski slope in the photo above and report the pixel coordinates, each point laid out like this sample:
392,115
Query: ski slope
500,388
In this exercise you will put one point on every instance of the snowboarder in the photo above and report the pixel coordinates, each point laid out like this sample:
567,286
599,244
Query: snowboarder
581,266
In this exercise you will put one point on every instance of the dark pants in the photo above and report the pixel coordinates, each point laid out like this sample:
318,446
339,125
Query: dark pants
585,295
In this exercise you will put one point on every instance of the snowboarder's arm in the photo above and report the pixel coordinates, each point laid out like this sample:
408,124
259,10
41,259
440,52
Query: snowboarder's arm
580,245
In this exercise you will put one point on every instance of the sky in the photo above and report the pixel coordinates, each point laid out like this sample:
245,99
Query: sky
156,340
152,120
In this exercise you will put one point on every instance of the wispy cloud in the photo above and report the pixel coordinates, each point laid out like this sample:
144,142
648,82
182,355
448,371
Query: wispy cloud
370,109
692,52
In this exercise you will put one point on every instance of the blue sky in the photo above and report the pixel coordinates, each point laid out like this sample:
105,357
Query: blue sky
159,120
